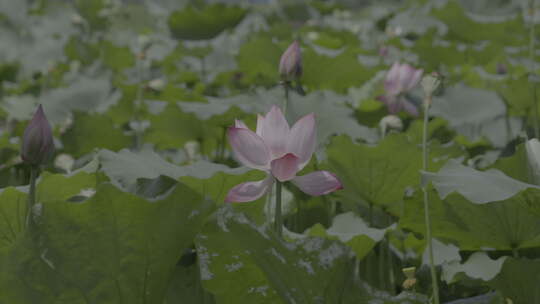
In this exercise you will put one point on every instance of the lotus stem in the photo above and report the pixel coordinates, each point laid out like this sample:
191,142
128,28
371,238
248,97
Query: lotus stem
278,222
138,101
531,57
286,101
435,284
31,194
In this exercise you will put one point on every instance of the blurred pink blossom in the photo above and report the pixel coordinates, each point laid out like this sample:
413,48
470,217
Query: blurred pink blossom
281,152
400,79
290,64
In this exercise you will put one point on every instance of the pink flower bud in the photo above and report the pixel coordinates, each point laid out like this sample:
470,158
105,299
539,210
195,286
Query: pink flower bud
290,65
37,144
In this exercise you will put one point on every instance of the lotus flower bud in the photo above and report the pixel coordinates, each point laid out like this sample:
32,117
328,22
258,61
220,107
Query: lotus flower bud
192,150
430,83
532,147
390,122
290,65
37,145
502,69
157,84
144,42
64,162
76,19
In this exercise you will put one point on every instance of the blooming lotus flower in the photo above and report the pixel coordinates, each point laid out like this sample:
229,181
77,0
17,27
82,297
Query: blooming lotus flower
37,143
281,152
400,79
290,65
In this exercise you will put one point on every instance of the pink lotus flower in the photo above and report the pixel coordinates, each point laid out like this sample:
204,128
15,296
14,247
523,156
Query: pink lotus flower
290,65
281,152
400,79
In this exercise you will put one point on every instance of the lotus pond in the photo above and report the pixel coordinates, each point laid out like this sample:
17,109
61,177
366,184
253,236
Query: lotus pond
269,151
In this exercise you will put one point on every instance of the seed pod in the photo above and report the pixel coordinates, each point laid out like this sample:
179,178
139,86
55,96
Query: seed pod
37,144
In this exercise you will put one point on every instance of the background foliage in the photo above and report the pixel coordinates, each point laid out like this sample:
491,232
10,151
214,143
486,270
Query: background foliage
140,94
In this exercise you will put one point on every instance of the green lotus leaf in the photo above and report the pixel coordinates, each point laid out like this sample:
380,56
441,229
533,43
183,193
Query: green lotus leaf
194,23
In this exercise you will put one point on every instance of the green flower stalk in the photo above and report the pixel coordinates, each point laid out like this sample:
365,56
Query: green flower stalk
430,83
532,80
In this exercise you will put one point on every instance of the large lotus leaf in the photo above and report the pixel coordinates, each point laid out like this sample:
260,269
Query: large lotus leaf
172,128
217,186
62,187
86,134
91,11
501,225
340,72
518,280
185,287
517,166
491,185
267,270
479,187
84,93
479,266
472,28
519,91
352,231
331,111
379,174
119,247
476,113
34,41
194,23
258,59
125,167
116,57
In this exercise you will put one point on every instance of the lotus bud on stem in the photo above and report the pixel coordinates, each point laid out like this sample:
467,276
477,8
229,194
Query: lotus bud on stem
430,83
399,81
37,149
390,122
290,68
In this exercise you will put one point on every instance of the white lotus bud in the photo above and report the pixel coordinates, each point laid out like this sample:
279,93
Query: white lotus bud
157,84
430,83
144,42
390,122
88,192
76,19
75,66
313,36
64,162
533,157
192,150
